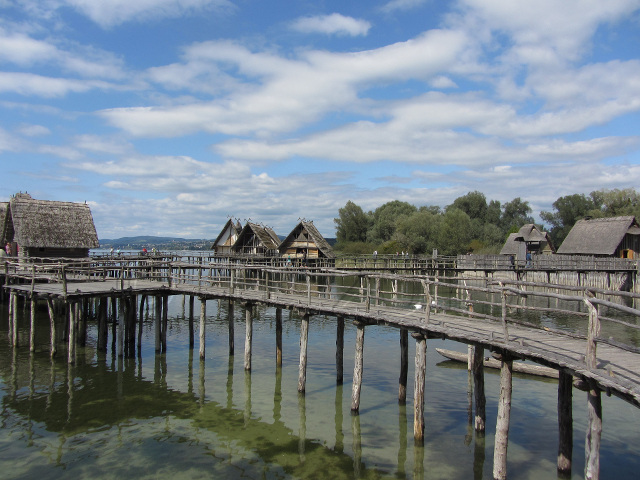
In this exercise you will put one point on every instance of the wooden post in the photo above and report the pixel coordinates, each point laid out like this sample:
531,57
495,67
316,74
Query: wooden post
158,324
11,315
32,330
231,328
404,366
279,337
478,388
165,318
565,422
592,333
505,329
121,320
248,339
203,317
71,350
52,319
357,368
340,351
102,325
191,328
504,416
304,337
594,433
418,405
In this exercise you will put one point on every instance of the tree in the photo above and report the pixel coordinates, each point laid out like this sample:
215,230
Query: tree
473,204
418,233
515,214
616,202
455,232
568,210
385,219
352,224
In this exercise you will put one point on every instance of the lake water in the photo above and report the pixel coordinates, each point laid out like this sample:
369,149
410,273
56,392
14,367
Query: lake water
173,416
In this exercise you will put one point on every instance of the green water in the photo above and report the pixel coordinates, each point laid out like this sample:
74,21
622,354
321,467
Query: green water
173,416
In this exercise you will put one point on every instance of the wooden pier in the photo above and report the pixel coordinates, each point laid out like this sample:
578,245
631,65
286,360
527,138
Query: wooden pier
480,314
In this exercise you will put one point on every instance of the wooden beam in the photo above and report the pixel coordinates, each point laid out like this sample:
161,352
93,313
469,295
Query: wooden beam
504,417
357,368
565,422
248,336
418,398
404,366
304,340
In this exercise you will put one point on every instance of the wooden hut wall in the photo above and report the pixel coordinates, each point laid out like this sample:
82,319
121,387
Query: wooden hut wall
39,252
629,247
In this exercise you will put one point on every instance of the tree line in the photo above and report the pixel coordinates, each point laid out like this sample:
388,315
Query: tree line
470,224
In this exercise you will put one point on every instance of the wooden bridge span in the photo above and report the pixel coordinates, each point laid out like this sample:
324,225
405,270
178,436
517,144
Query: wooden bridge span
600,364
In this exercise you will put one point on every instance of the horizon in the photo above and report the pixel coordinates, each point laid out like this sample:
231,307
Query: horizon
170,116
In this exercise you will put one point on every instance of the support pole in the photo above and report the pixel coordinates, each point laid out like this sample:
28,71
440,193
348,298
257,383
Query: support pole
357,368
304,337
158,323
340,351
165,319
565,423
504,416
248,338
71,350
594,433
203,316
404,366
191,329
478,389
52,319
278,337
231,329
121,320
418,405
32,329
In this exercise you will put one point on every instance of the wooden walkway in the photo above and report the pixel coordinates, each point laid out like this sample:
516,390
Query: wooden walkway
617,370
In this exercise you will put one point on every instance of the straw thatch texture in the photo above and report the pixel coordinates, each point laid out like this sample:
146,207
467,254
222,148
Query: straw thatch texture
255,239
227,237
305,235
536,241
598,236
4,224
49,224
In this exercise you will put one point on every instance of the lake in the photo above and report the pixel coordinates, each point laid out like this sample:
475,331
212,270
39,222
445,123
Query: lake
173,416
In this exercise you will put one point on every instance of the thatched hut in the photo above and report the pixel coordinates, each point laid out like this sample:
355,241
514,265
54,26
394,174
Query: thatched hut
223,245
529,239
603,237
42,228
305,241
258,240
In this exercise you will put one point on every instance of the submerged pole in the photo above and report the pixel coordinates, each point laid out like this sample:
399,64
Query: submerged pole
278,337
504,416
357,368
340,351
478,388
418,405
304,338
565,422
248,339
404,366
203,316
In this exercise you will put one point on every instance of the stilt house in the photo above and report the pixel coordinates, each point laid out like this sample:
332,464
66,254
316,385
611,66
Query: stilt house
223,245
529,239
305,241
257,240
604,237
42,228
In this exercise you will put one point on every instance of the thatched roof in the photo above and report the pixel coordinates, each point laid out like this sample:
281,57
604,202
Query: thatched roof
528,233
598,236
314,234
49,224
4,223
266,236
232,227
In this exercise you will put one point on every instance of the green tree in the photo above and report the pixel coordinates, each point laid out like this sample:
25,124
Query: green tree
567,211
455,234
418,233
352,224
473,204
515,214
385,219
616,202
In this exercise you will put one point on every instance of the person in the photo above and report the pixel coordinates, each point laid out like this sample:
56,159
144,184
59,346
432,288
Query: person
528,259
144,250
111,251
7,249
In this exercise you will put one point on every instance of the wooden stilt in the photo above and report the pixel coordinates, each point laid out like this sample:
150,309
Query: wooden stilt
14,318
504,416
32,328
191,328
565,422
478,388
71,351
340,351
102,325
203,316
357,368
278,337
418,406
248,339
231,328
304,338
594,433
158,323
12,309
52,319
121,320
404,366
165,319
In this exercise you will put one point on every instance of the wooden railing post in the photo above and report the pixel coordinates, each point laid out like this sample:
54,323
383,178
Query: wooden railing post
592,333
505,328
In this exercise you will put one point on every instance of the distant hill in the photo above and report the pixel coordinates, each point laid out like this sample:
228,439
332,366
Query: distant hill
161,243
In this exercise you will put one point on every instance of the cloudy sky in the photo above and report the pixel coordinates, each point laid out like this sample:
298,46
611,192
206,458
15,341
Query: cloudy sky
170,116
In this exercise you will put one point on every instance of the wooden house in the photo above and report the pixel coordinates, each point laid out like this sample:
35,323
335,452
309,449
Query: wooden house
529,239
306,242
42,228
257,240
223,245
604,237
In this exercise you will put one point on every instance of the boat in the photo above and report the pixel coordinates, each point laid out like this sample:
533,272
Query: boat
490,362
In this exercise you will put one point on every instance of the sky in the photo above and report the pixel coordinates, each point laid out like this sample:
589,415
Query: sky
168,117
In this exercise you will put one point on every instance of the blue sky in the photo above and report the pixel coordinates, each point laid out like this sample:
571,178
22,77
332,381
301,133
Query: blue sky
170,116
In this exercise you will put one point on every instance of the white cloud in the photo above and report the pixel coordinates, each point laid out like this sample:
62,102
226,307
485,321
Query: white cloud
394,5
34,130
32,84
334,24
